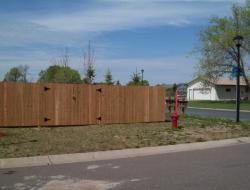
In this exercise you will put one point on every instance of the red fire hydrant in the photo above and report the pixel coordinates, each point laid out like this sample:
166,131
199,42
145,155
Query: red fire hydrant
175,115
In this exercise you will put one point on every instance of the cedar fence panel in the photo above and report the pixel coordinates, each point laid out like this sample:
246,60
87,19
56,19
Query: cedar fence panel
19,104
27,104
1,105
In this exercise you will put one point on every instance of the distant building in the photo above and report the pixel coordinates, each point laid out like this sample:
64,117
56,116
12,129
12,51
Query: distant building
222,89
182,87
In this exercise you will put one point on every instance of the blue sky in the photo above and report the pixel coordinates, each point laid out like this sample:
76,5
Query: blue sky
156,35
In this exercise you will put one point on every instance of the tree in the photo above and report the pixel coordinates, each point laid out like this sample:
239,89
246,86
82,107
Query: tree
64,59
13,75
88,63
118,82
135,79
217,49
24,71
174,88
59,74
108,77
145,83
16,74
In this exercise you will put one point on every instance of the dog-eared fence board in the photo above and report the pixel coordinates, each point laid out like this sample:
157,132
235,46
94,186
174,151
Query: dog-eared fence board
28,104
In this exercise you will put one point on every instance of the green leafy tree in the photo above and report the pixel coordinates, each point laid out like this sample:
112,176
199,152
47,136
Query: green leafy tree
217,49
17,74
108,77
59,74
145,83
13,75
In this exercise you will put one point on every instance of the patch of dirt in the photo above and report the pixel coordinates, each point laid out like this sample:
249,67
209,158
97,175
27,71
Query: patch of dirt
2,134
211,133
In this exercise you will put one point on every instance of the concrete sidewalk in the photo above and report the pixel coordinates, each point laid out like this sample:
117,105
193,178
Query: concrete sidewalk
116,154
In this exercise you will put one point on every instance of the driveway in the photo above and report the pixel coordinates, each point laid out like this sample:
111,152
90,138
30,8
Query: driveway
227,114
211,169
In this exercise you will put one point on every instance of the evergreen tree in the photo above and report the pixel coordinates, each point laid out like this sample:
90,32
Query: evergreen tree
108,77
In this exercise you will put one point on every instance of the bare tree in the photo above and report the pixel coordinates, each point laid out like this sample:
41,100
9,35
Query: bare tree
63,60
24,70
88,64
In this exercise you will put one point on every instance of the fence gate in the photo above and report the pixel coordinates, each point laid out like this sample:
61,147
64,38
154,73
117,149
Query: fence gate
69,104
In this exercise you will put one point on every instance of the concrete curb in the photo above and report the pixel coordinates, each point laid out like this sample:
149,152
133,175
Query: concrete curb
116,154
218,109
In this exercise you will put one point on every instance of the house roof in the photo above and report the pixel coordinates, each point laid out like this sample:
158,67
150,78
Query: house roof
228,81
221,81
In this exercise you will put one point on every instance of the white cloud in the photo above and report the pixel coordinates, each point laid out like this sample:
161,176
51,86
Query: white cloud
127,14
85,22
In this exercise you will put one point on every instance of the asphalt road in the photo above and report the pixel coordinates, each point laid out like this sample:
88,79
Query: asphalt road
218,113
226,168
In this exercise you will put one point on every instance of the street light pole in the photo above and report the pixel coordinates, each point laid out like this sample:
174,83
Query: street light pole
238,86
142,71
238,40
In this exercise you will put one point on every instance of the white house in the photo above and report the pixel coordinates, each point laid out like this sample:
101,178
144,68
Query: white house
222,89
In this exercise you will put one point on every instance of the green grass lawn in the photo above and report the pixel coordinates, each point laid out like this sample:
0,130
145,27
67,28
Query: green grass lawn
245,105
20,142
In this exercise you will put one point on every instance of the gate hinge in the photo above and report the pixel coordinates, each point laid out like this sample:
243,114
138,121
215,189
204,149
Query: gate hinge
99,89
99,118
46,119
46,88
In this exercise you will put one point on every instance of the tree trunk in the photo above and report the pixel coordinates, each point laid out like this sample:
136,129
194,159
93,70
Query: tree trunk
246,80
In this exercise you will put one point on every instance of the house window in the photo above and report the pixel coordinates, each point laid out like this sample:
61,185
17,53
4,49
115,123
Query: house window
228,89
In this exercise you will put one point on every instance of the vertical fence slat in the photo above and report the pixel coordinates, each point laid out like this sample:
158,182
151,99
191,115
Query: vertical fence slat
47,105
98,102
1,105
162,106
30,109
13,104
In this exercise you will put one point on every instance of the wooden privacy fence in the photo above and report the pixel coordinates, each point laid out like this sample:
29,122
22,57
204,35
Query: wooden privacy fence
28,104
